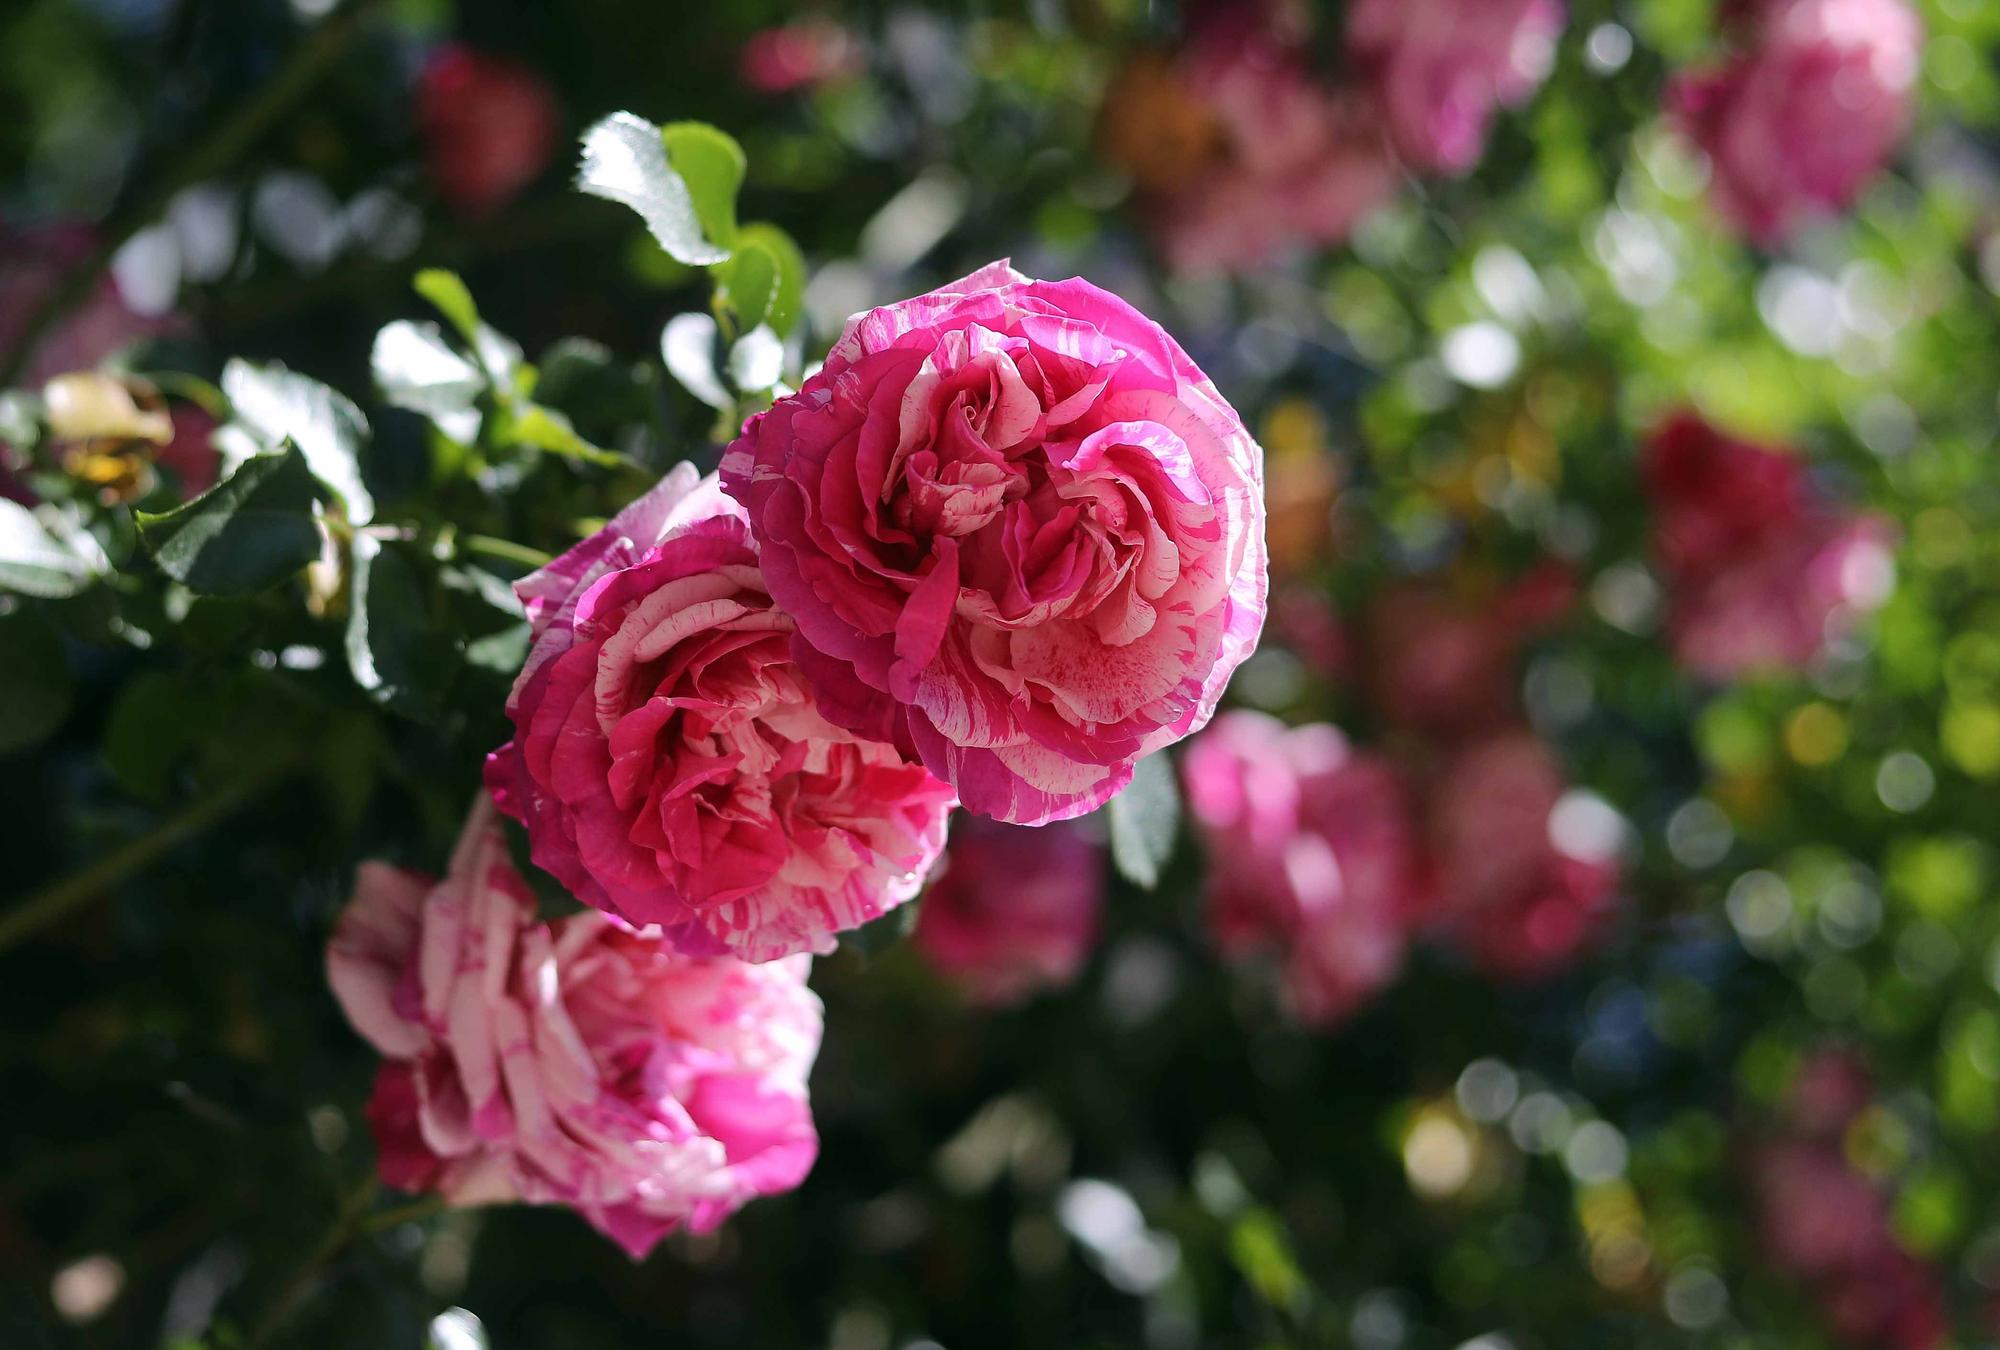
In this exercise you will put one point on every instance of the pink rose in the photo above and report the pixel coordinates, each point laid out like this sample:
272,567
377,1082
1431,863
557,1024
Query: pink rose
669,762
1015,909
1296,165
1799,120
1446,661
1439,69
1760,571
1313,854
1021,535
578,1062
1526,871
802,54
489,126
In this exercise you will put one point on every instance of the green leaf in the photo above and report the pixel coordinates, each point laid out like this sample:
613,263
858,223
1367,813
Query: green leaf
36,689
1262,1252
248,532
756,361
449,294
687,345
746,285
276,405
499,355
625,161
35,561
1146,822
456,1329
789,292
547,429
396,650
416,369
155,719
712,165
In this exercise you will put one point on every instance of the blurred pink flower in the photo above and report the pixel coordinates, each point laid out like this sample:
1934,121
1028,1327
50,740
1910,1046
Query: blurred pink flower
668,760
33,264
1439,68
1445,662
1825,1223
1295,166
489,125
1015,908
802,54
1526,871
1312,853
577,1062
1801,118
1020,533
1760,571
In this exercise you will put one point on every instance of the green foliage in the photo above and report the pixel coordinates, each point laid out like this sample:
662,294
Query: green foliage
1145,822
250,531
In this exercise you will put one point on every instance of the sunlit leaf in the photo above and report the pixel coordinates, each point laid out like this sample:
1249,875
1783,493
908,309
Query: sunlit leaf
276,405
625,161
34,560
687,345
1146,821
711,163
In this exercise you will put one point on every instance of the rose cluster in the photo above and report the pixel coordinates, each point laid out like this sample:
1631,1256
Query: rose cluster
1462,829
1008,540
1761,568
1243,151
1826,1224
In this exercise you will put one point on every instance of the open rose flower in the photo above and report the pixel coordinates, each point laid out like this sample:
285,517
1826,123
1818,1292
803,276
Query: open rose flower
1527,871
1439,69
1802,118
1020,533
1314,856
1015,909
669,762
1761,570
575,1063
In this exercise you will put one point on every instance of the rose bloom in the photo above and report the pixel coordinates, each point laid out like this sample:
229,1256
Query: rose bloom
1760,570
1267,160
1440,68
1020,534
1526,870
803,54
1800,119
489,125
1828,1225
578,1062
1015,909
1445,660
1313,854
669,762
